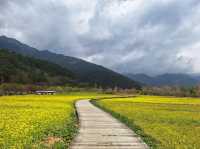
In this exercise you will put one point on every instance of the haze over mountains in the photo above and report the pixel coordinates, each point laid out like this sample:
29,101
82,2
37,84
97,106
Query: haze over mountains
167,79
86,72
83,71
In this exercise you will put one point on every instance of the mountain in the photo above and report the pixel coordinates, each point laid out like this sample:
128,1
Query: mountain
166,79
85,72
142,78
15,68
196,76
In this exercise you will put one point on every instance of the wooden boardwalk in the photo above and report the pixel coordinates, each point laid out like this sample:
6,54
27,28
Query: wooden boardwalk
99,130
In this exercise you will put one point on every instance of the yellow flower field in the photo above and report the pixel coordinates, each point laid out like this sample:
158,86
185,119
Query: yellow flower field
163,122
38,121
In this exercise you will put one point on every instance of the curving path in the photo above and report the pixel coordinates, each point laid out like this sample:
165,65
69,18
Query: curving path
99,130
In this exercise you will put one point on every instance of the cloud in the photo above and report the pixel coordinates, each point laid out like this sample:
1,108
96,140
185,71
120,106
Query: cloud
136,36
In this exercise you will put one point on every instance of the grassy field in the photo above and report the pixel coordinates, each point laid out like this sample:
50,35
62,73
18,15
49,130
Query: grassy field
163,122
38,121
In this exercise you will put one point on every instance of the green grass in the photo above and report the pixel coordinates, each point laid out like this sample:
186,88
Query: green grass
38,121
162,122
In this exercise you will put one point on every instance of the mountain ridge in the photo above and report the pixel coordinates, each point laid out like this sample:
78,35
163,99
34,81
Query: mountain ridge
86,72
167,79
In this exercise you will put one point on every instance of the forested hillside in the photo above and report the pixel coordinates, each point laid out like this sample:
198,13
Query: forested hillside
85,72
15,68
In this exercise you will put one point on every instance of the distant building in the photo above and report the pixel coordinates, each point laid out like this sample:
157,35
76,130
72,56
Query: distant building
44,92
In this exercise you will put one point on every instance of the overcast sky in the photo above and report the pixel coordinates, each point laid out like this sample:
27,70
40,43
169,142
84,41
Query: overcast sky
136,36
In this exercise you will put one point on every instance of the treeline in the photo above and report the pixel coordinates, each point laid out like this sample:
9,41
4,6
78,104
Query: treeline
23,89
172,91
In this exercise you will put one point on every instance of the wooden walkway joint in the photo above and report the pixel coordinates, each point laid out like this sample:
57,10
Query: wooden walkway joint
99,130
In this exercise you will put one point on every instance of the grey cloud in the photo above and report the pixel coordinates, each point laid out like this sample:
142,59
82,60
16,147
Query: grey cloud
127,36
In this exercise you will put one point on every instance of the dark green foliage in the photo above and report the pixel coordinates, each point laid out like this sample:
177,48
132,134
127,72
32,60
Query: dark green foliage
15,68
172,91
85,72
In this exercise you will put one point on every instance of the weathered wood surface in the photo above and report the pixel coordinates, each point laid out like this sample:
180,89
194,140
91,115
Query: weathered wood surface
99,130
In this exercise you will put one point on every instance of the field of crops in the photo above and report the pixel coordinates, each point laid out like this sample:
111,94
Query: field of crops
38,121
163,122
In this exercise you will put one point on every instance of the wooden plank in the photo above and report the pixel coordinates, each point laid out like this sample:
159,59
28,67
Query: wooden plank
99,130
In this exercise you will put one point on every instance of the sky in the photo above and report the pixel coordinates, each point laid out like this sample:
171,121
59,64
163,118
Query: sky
128,36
